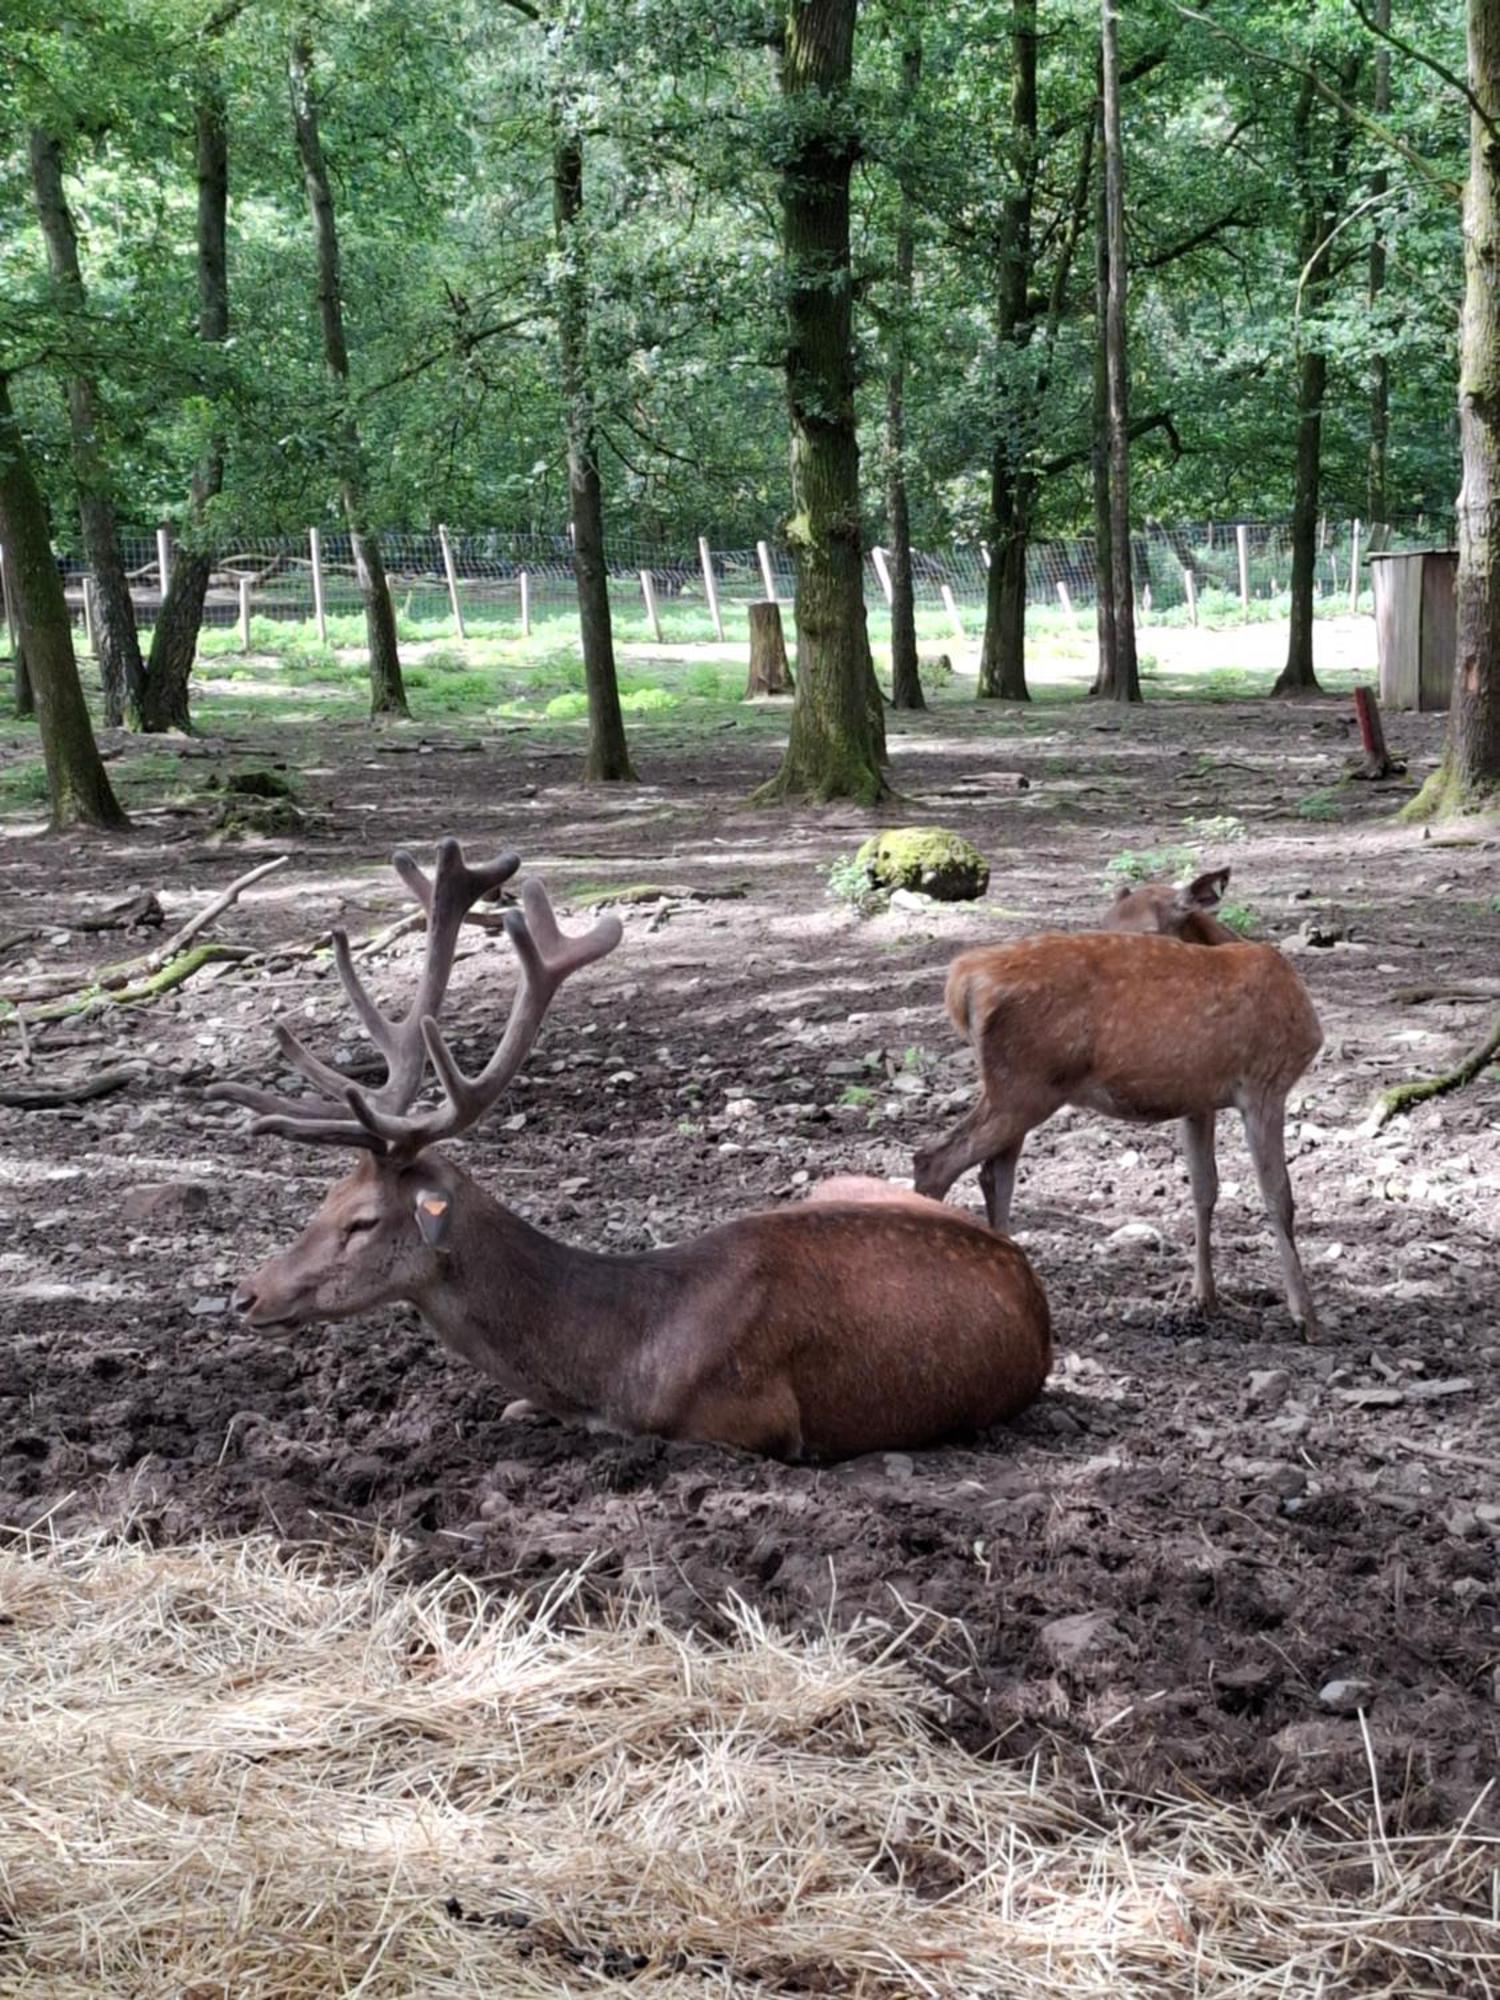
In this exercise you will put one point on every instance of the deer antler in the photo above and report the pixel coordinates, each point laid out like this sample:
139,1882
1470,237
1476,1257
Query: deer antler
378,1120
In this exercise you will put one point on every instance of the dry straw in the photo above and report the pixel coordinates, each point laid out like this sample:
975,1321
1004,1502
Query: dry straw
227,1771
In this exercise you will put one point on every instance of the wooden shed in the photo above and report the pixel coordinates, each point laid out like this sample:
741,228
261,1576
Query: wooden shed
1416,625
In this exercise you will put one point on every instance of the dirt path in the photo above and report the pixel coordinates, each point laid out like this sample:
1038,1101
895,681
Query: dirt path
1237,1519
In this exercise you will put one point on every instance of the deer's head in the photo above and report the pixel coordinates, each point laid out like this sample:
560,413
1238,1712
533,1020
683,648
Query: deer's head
385,1231
1174,909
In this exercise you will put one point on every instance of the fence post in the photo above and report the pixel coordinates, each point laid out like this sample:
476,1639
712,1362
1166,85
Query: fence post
88,614
648,591
164,556
244,614
525,605
1190,585
1242,543
952,610
710,587
8,590
768,575
1145,602
452,575
1354,571
882,570
1064,599
320,609
984,555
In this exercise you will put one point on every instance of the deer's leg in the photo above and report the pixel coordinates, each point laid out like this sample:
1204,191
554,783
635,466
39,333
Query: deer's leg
988,1133
1203,1172
1265,1132
997,1177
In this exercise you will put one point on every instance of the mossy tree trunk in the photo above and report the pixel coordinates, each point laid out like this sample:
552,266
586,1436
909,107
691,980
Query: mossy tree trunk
1469,776
1002,656
906,676
77,782
115,636
608,752
387,690
1104,575
174,643
836,742
1376,503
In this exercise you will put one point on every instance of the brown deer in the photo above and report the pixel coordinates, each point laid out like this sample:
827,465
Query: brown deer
828,1328
1164,1013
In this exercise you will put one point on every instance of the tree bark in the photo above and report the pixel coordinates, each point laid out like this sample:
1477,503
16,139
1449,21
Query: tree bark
1469,776
608,752
1376,502
906,676
174,643
1127,685
115,636
1104,575
387,690
1320,213
23,695
769,671
836,742
77,782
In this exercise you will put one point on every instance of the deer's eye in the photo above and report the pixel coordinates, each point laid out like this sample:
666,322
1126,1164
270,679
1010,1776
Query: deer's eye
360,1225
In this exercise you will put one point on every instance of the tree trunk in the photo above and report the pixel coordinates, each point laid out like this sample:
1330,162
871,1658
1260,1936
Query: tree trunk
115,638
174,643
906,677
23,695
608,753
769,672
1320,214
836,741
1104,574
77,782
1376,501
1127,685
1002,655
387,691
1469,777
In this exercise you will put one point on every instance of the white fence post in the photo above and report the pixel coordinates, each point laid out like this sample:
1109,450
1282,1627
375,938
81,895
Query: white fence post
1354,571
768,575
12,629
525,605
1190,585
451,572
1063,598
1242,542
88,615
244,614
164,556
320,609
648,591
952,610
710,587
882,570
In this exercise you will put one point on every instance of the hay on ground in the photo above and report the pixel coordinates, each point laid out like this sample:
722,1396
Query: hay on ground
225,1771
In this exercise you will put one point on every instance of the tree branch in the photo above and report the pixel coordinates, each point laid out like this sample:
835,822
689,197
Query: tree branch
1428,62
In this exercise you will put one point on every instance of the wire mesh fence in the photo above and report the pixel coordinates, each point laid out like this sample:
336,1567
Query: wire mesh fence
513,583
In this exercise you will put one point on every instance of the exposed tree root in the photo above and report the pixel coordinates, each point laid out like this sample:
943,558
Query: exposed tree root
1402,1096
48,1097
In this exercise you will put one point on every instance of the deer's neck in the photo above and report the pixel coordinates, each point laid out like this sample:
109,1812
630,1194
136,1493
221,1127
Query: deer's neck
550,1321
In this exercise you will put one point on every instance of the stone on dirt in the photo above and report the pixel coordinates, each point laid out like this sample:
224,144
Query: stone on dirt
929,859
1069,1641
167,1201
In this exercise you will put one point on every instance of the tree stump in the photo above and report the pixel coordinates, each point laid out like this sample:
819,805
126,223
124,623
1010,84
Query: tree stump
769,671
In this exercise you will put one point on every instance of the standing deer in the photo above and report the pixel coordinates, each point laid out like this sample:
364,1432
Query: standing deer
829,1328
1165,1013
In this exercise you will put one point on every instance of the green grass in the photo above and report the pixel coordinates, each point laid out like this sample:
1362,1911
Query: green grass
1318,806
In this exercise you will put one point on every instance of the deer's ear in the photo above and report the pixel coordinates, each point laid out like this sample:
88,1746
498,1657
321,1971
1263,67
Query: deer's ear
434,1212
1207,891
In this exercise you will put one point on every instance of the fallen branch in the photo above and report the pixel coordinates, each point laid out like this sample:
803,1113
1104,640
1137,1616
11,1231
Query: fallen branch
220,903
139,912
1402,1096
48,1097
164,979
1418,996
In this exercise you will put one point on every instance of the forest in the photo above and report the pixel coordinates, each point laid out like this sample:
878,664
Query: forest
937,567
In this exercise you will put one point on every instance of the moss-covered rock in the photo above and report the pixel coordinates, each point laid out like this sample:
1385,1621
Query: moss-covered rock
929,859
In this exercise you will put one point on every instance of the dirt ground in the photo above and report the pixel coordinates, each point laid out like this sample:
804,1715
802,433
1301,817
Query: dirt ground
1237,1519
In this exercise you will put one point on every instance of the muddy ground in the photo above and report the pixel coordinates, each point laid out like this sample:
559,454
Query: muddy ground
1239,1519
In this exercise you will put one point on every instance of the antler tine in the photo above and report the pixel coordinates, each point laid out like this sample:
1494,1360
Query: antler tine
548,957
270,1103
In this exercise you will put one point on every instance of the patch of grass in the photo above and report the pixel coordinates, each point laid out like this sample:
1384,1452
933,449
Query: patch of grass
1239,917
23,786
856,1096
1142,865
1318,806
1217,829
849,881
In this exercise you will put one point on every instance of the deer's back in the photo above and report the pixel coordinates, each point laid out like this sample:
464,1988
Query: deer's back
1136,1025
893,1326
